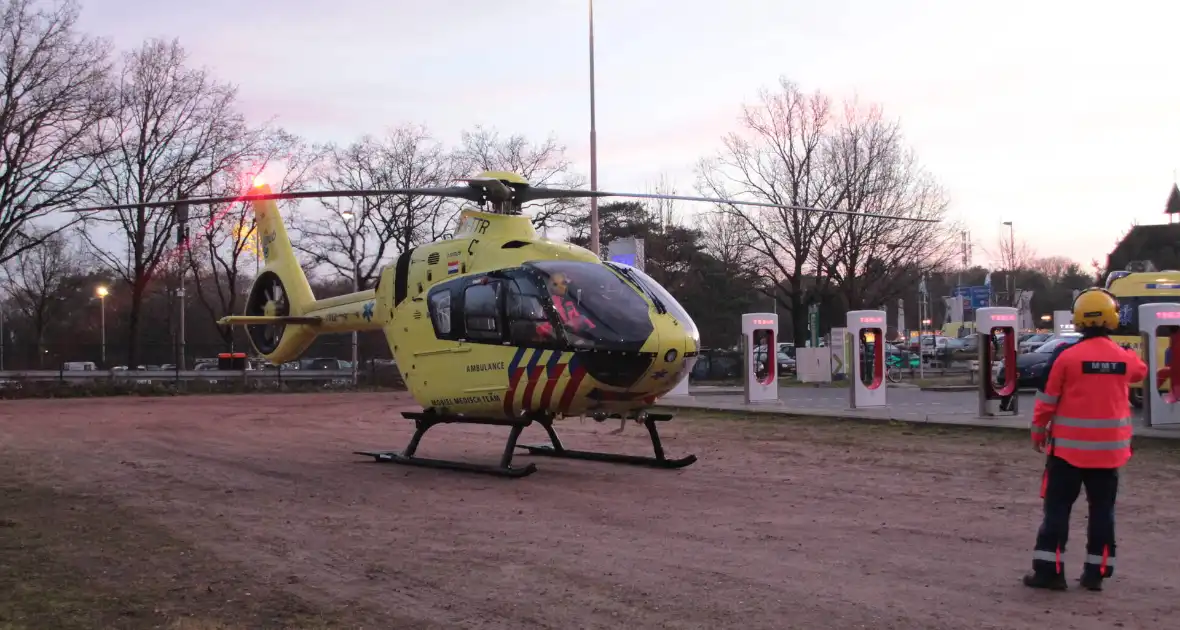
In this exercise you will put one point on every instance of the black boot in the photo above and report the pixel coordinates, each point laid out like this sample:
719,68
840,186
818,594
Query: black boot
1051,581
1099,566
1091,580
1092,576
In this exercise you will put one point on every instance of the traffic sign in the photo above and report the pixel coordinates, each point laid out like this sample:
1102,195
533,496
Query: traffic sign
978,297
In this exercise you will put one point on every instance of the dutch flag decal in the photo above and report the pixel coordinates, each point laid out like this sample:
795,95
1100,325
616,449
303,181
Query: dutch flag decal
452,267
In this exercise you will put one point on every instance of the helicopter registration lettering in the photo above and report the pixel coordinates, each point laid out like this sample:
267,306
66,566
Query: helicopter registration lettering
465,400
267,239
472,225
486,367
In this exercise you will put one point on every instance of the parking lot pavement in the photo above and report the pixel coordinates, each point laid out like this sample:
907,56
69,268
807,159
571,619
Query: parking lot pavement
902,403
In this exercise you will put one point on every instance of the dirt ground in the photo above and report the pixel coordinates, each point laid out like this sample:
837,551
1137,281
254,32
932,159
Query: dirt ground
251,511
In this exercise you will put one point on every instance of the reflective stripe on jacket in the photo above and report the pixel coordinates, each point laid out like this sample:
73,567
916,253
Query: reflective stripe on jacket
1084,406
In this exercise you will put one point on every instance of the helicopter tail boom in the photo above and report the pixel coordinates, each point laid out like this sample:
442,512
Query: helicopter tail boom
245,320
352,312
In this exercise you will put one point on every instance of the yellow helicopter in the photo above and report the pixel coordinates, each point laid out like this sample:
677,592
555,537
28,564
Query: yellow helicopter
493,326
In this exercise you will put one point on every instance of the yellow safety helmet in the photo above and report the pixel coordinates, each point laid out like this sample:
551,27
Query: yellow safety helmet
1096,308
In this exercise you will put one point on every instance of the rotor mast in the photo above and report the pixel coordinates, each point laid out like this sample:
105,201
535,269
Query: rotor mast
508,207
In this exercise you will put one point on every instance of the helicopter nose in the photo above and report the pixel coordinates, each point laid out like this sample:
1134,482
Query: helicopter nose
677,348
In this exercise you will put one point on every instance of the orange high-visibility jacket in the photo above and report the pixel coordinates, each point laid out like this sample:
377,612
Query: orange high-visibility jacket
1085,407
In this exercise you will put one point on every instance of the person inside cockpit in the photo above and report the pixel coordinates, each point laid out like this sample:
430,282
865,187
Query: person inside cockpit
566,305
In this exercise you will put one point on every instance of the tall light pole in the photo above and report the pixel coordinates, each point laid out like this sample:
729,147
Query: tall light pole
348,216
965,259
102,293
594,244
181,239
1011,260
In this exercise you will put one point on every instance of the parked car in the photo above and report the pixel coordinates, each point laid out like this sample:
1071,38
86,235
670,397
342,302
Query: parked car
1064,335
786,365
970,344
905,357
1030,366
1033,342
717,364
941,347
324,363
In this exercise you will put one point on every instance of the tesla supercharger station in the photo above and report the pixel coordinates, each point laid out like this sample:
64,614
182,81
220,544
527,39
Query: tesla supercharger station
997,326
1062,322
760,330
867,374
1160,321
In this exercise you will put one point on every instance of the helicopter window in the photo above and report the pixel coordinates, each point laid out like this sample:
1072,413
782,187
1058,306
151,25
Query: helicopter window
596,308
440,312
401,277
528,324
481,311
660,295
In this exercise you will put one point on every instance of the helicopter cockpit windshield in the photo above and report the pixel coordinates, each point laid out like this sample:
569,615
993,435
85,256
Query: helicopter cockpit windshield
660,296
596,308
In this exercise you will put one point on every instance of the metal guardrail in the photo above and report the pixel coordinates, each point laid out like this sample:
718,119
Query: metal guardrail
143,376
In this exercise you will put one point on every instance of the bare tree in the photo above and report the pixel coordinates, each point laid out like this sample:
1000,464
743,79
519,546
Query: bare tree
224,238
1010,253
54,95
779,158
874,260
663,209
543,164
36,279
359,236
1011,256
1054,267
727,238
176,129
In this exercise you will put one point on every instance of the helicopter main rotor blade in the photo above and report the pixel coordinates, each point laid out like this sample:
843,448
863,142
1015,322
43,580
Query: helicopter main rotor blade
469,193
480,190
532,194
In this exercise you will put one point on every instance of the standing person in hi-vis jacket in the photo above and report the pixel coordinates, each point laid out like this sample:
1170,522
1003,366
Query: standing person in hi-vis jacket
1082,422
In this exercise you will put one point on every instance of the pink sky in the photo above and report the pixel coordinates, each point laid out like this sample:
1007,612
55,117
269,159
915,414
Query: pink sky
1061,119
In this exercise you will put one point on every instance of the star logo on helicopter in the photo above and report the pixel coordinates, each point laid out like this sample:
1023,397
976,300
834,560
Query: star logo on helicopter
1126,312
368,312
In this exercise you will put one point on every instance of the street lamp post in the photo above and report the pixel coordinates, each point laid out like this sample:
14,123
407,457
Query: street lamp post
348,216
102,293
594,235
1011,261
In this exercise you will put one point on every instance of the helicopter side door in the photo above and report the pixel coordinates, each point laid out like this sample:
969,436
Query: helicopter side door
506,335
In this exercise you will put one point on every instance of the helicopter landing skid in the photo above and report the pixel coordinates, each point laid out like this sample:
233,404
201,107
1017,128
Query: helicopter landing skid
556,449
423,423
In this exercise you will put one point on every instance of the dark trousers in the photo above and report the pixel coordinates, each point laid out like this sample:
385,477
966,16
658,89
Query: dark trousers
1063,484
